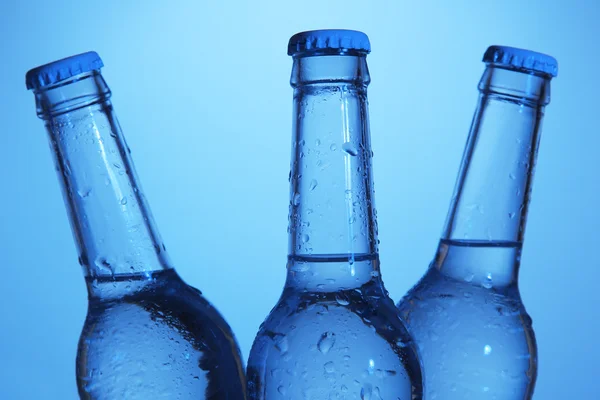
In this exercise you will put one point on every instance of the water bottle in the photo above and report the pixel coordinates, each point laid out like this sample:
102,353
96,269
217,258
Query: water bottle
334,333
475,338
147,334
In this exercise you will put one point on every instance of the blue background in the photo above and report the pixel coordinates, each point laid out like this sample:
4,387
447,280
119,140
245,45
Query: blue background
201,90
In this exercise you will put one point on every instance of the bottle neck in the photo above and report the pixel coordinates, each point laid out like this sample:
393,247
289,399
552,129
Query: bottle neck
111,222
332,216
491,198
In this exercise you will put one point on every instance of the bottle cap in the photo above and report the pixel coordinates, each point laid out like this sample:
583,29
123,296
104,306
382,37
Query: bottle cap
520,59
54,72
326,41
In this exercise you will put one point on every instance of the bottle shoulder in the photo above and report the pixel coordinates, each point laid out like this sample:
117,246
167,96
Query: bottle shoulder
314,336
348,315
164,298
439,297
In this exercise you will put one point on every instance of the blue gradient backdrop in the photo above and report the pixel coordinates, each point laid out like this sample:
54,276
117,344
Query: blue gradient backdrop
201,90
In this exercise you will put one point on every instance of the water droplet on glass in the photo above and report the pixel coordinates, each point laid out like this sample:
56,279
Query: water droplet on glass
366,391
281,390
329,367
487,349
333,147
326,342
123,201
317,142
104,266
83,193
511,215
512,176
313,185
342,299
469,278
488,281
305,238
350,149
296,199
281,342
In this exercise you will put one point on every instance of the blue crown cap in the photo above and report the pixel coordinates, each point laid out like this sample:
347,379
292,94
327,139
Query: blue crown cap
305,43
511,57
54,72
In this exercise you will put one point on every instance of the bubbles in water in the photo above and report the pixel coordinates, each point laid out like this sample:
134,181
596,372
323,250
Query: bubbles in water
313,184
326,342
350,149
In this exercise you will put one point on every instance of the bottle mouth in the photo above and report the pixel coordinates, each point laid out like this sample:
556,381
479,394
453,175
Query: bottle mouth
71,94
515,85
330,69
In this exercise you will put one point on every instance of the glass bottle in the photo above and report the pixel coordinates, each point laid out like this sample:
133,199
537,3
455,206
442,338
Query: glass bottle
475,338
147,334
334,333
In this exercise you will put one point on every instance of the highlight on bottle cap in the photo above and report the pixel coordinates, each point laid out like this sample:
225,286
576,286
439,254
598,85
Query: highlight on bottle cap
56,71
520,59
327,41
